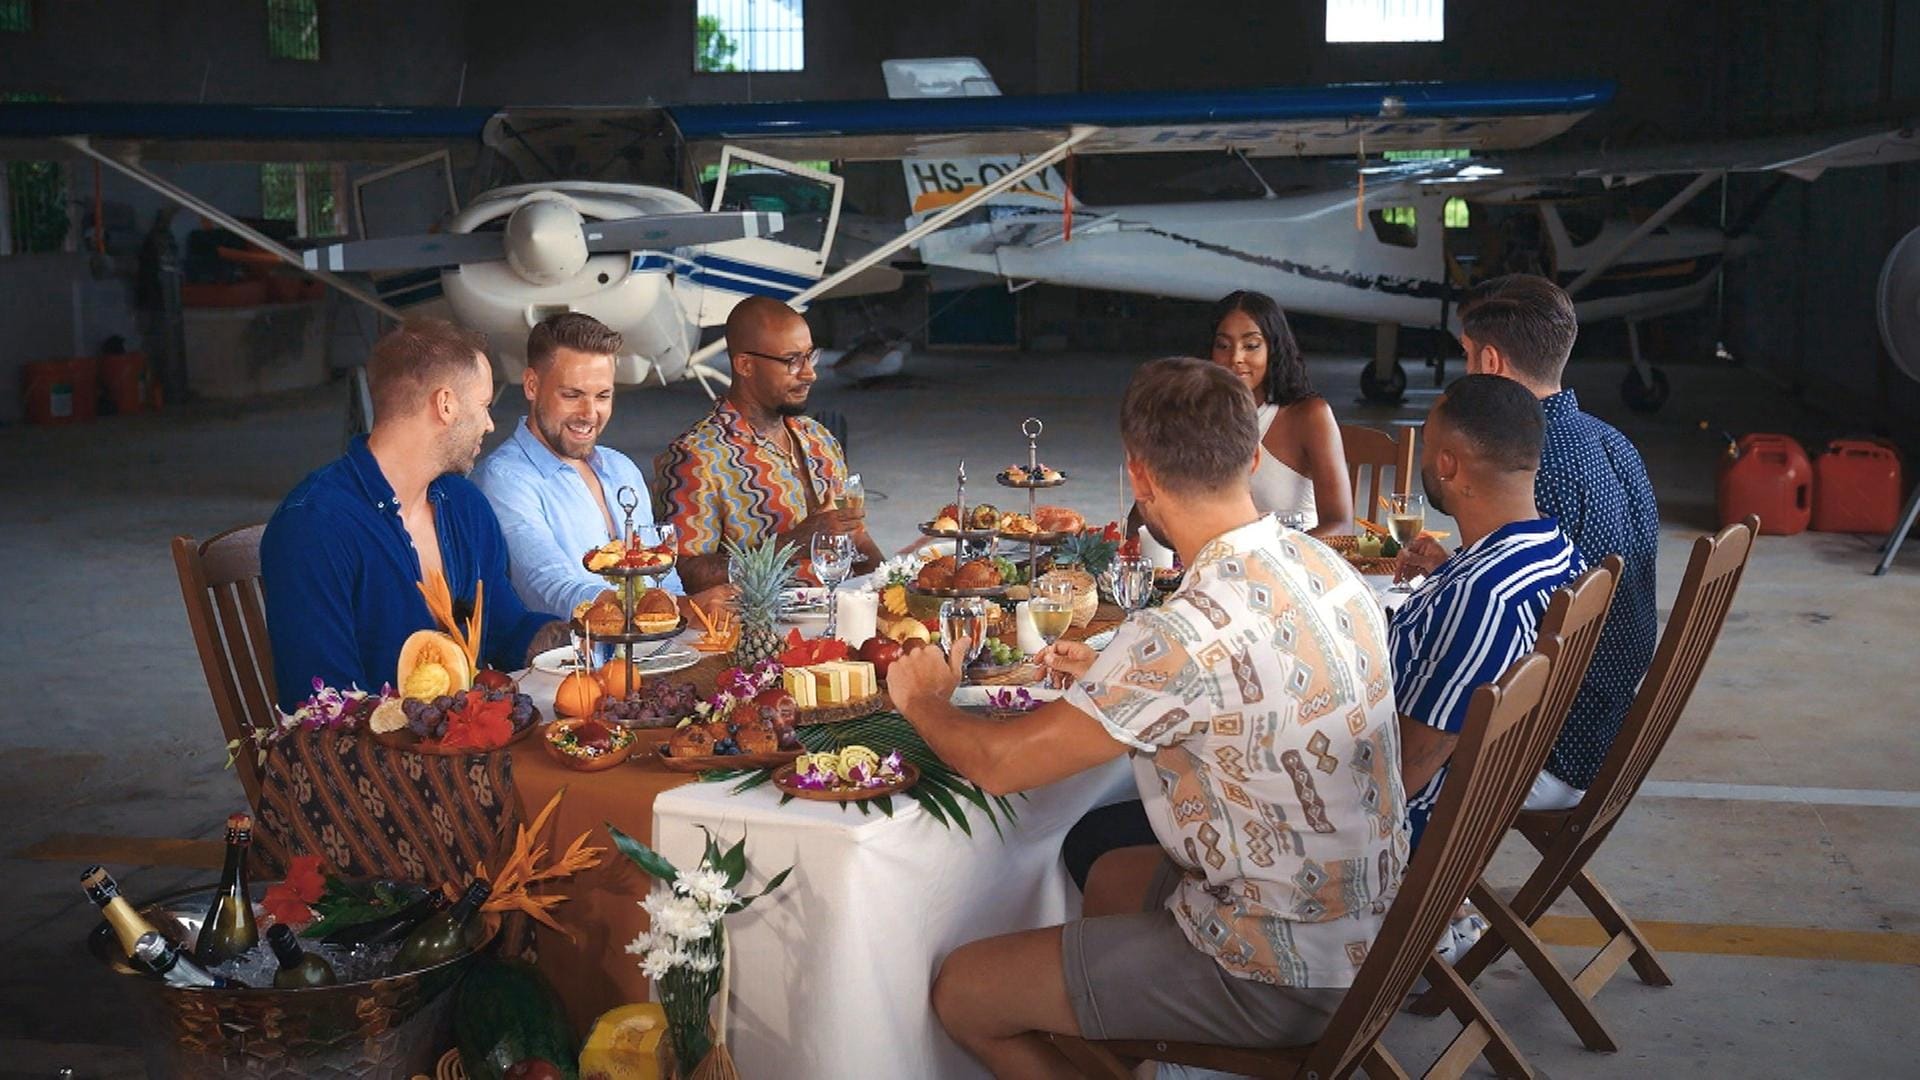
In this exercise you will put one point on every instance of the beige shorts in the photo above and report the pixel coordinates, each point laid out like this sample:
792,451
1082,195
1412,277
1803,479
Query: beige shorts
1137,977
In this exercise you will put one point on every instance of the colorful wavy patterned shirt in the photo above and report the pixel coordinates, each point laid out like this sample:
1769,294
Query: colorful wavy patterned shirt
723,481
1259,704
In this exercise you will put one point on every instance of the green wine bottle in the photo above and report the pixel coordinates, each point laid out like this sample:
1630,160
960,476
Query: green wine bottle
444,936
298,967
229,929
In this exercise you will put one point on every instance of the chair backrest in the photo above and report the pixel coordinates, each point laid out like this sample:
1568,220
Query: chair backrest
1576,615
1706,594
1493,765
1372,452
220,582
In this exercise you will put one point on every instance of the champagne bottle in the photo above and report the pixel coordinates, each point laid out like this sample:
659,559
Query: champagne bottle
169,961
298,967
444,936
229,929
388,928
128,925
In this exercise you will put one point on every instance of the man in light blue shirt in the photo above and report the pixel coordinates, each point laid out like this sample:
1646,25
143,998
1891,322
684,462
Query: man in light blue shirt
554,489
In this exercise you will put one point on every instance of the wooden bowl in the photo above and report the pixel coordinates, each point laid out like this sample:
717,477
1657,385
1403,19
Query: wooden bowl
405,739
593,764
783,779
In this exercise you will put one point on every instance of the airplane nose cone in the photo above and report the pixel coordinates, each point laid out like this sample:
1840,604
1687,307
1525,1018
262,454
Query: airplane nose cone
545,244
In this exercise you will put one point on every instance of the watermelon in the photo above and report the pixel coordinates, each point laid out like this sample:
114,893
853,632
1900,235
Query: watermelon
507,1014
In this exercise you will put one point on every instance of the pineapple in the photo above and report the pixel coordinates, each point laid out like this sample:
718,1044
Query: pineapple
759,574
1090,551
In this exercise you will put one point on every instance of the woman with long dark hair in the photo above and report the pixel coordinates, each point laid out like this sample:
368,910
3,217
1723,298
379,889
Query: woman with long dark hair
1303,467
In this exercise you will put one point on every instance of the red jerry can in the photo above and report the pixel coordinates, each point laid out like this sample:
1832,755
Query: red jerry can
1856,487
1767,475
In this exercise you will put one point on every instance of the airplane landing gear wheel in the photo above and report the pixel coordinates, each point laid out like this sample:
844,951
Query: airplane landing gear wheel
1388,391
1641,397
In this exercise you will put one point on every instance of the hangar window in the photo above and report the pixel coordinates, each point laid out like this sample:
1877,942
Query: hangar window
16,15
749,35
1395,225
1386,20
293,29
33,200
1457,215
306,196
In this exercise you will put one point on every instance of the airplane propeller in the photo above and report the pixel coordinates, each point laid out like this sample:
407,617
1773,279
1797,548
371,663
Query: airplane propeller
546,240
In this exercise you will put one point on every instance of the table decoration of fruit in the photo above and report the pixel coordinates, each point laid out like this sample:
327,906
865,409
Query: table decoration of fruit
851,773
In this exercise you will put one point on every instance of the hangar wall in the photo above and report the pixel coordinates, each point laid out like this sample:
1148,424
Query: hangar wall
1685,71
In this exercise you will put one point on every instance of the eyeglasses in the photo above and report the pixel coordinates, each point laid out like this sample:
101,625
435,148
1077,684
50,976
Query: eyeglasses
794,362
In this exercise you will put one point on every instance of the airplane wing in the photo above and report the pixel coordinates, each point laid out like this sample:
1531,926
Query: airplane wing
1305,121
237,133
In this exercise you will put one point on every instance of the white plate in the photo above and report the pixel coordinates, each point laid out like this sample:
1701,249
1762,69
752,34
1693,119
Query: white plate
976,696
803,604
676,657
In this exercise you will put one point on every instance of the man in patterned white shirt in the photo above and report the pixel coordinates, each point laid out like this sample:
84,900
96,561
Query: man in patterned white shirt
1257,706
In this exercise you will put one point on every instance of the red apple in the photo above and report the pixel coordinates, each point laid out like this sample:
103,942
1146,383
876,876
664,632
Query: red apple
493,679
881,653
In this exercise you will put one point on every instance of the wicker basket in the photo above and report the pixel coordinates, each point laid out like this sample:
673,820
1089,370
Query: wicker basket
1086,597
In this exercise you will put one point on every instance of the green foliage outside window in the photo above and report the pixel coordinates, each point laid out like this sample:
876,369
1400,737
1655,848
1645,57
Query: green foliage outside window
16,16
713,50
293,29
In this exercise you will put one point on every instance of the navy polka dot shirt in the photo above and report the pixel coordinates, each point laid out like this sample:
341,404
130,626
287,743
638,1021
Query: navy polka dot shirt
1591,479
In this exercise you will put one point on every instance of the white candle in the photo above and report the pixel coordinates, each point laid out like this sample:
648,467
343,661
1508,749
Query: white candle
1160,556
857,615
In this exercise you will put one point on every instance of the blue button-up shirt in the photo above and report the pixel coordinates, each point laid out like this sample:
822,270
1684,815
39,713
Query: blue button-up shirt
1592,479
551,519
341,577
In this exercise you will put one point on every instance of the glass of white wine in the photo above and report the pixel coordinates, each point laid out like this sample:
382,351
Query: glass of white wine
1052,611
1406,520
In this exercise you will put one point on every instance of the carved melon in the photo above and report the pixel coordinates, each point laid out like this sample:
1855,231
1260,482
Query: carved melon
432,664
628,1043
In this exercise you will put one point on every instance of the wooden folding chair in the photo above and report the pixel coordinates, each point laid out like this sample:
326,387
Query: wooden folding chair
1374,453
1567,839
220,582
1505,739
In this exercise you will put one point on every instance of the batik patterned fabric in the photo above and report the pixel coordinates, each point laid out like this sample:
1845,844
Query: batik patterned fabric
723,482
1259,703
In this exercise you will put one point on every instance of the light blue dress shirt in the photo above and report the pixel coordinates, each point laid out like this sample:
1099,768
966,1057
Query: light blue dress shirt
551,520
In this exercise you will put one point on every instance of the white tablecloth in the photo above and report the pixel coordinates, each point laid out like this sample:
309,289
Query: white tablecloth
832,972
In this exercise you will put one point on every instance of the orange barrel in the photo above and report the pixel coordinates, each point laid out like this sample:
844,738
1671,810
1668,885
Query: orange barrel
1767,475
1856,487
123,379
59,391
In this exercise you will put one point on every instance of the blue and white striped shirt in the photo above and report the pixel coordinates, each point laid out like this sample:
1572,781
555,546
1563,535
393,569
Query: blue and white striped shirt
1477,614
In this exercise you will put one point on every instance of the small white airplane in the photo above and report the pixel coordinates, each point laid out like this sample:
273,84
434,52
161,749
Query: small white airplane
1395,247
594,209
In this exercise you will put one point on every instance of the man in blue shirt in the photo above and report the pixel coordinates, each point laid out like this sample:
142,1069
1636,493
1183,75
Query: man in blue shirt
1480,609
343,556
1592,480
555,490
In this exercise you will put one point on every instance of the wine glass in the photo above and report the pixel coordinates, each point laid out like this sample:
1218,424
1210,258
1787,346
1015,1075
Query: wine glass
964,618
832,559
1130,580
853,494
1406,520
1052,611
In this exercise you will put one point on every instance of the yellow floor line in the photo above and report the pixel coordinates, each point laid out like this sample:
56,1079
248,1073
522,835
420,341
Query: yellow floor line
132,850
1789,942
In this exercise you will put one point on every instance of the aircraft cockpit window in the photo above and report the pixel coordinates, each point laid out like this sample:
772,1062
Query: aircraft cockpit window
1583,224
1395,225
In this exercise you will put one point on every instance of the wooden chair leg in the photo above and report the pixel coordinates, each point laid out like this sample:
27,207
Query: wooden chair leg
1094,1061
1380,1065
1480,1035
1645,961
1520,937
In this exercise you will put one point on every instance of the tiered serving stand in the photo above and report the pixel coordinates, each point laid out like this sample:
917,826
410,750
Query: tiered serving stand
1031,428
625,580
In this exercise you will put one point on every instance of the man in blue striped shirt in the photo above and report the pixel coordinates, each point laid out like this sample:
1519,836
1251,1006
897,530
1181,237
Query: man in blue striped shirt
1480,609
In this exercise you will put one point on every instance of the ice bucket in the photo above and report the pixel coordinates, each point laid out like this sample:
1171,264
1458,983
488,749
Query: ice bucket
395,1026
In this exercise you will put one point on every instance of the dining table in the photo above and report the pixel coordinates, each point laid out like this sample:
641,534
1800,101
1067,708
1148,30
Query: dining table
832,972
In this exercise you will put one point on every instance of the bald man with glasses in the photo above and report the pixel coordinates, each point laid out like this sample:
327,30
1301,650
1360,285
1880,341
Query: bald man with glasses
757,468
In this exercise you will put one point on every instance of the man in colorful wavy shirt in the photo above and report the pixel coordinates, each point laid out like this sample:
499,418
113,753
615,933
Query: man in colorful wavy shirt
1257,707
755,468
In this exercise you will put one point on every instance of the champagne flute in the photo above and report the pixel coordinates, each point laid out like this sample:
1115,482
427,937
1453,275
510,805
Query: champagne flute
964,619
832,559
1406,520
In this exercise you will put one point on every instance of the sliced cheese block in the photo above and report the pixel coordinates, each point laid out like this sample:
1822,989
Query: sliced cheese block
865,683
798,681
833,683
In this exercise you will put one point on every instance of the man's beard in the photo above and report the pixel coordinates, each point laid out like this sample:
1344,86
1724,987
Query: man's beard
1432,484
557,438
788,408
1153,528
461,451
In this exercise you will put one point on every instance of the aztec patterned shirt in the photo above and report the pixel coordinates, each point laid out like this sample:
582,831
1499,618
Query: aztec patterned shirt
1477,614
723,482
1592,479
1259,706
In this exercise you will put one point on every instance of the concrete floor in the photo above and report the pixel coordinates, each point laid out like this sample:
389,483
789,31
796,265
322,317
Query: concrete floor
110,729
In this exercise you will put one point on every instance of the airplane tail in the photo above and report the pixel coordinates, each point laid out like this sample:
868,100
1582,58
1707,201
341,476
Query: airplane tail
933,183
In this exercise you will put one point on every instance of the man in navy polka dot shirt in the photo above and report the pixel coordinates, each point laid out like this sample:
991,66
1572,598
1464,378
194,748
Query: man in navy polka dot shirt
1592,480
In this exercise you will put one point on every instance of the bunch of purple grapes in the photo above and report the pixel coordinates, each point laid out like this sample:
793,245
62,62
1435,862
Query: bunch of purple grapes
657,705
427,719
